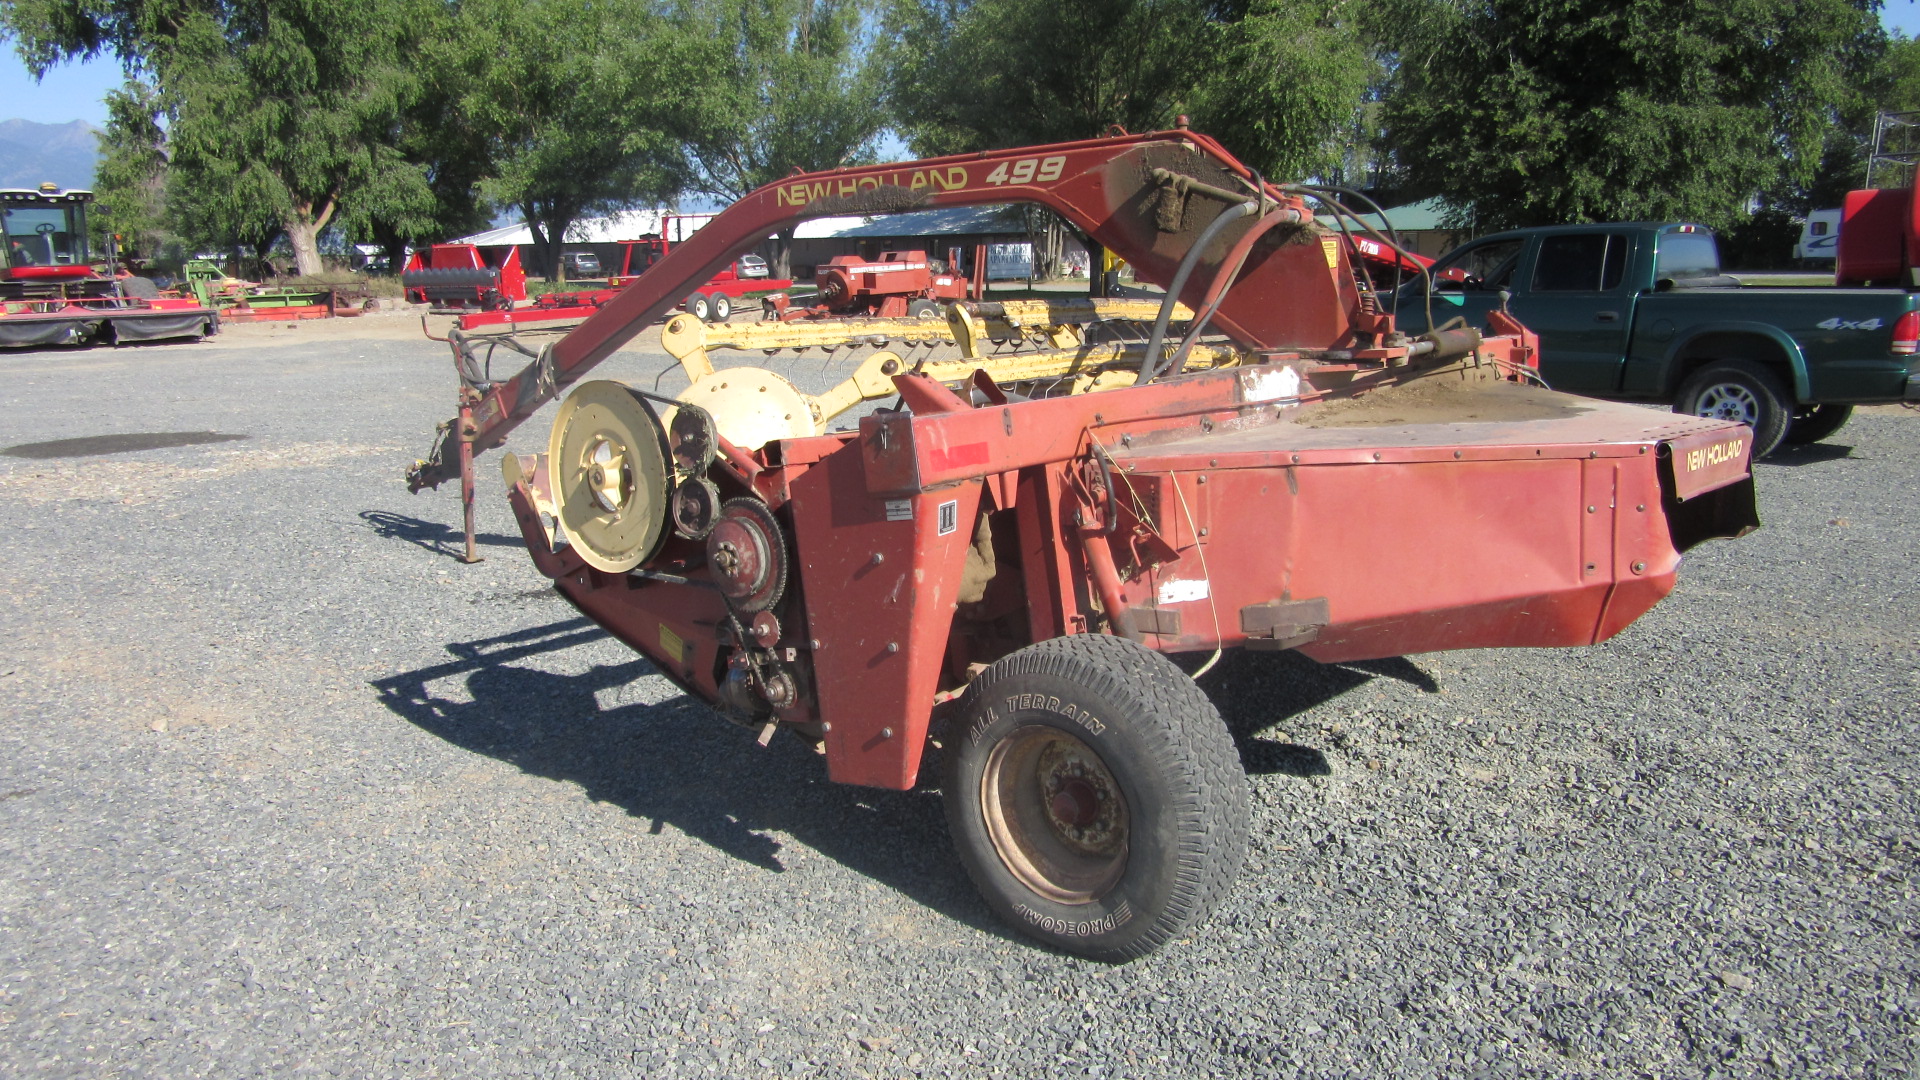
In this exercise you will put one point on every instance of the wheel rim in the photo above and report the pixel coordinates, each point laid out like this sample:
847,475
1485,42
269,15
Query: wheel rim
1729,401
1057,818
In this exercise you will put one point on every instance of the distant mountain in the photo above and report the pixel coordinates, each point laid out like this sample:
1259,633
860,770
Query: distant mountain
31,153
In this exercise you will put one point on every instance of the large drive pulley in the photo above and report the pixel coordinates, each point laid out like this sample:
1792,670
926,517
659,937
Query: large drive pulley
608,460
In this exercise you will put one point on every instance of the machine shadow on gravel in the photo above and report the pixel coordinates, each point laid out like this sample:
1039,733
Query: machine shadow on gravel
1810,454
435,537
677,763
1255,691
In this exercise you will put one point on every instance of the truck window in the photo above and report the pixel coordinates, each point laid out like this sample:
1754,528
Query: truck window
1684,255
1581,262
1488,266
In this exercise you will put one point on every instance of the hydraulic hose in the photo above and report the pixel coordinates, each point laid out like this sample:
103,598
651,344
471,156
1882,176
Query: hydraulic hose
1153,362
1223,280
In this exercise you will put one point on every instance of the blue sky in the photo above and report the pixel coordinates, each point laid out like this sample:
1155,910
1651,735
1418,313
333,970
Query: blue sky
74,91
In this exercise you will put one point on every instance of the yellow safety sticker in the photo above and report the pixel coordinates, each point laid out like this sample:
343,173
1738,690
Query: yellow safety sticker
1331,248
671,644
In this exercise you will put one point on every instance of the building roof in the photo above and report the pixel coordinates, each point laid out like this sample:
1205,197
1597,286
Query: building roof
1003,220
1423,216
622,225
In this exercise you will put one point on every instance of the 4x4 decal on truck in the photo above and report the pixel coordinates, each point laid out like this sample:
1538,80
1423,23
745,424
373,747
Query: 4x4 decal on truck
1842,324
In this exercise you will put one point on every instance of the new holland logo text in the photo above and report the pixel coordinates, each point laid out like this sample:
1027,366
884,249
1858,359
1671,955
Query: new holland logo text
802,192
1717,454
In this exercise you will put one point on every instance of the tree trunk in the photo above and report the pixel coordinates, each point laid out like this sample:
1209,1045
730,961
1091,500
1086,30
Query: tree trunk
303,232
783,253
557,224
549,229
305,239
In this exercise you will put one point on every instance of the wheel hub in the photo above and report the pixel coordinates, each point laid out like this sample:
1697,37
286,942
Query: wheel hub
1729,401
1056,816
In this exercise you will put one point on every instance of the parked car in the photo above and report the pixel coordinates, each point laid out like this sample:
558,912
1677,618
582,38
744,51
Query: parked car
581,264
752,266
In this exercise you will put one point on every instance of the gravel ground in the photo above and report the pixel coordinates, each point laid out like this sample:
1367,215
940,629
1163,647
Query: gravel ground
285,789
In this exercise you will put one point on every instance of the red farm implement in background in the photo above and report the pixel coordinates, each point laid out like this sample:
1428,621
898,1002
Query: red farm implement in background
51,292
715,300
895,285
462,277
994,568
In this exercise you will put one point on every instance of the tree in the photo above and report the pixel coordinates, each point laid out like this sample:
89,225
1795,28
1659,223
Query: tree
436,136
583,107
1286,88
1278,81
995,73
1531,112
800,90
279,107
129,179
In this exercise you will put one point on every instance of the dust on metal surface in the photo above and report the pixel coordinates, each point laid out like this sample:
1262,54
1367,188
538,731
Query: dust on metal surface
124,443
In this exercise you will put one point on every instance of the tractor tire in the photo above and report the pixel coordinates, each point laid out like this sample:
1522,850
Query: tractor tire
1094,795
699,307
139,288
924,309
1816,422
721,306
1742,391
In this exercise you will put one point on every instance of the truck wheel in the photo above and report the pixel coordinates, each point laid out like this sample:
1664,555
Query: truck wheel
1812,424
721,306
923,309
1094,795
1741,391
698,306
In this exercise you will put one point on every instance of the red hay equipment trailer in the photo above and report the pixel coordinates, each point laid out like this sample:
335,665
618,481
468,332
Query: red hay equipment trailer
713,301
52,294
462,277
998,571
893,286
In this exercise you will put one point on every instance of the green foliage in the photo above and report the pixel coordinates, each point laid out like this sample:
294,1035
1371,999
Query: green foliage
129,180
1764,241
1284,88
796,85
432,135
275,109
1278,81
796,88
996,73
1526,112
581,107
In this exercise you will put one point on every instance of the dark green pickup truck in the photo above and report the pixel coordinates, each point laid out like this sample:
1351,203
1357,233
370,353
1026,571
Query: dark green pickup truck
1641,312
